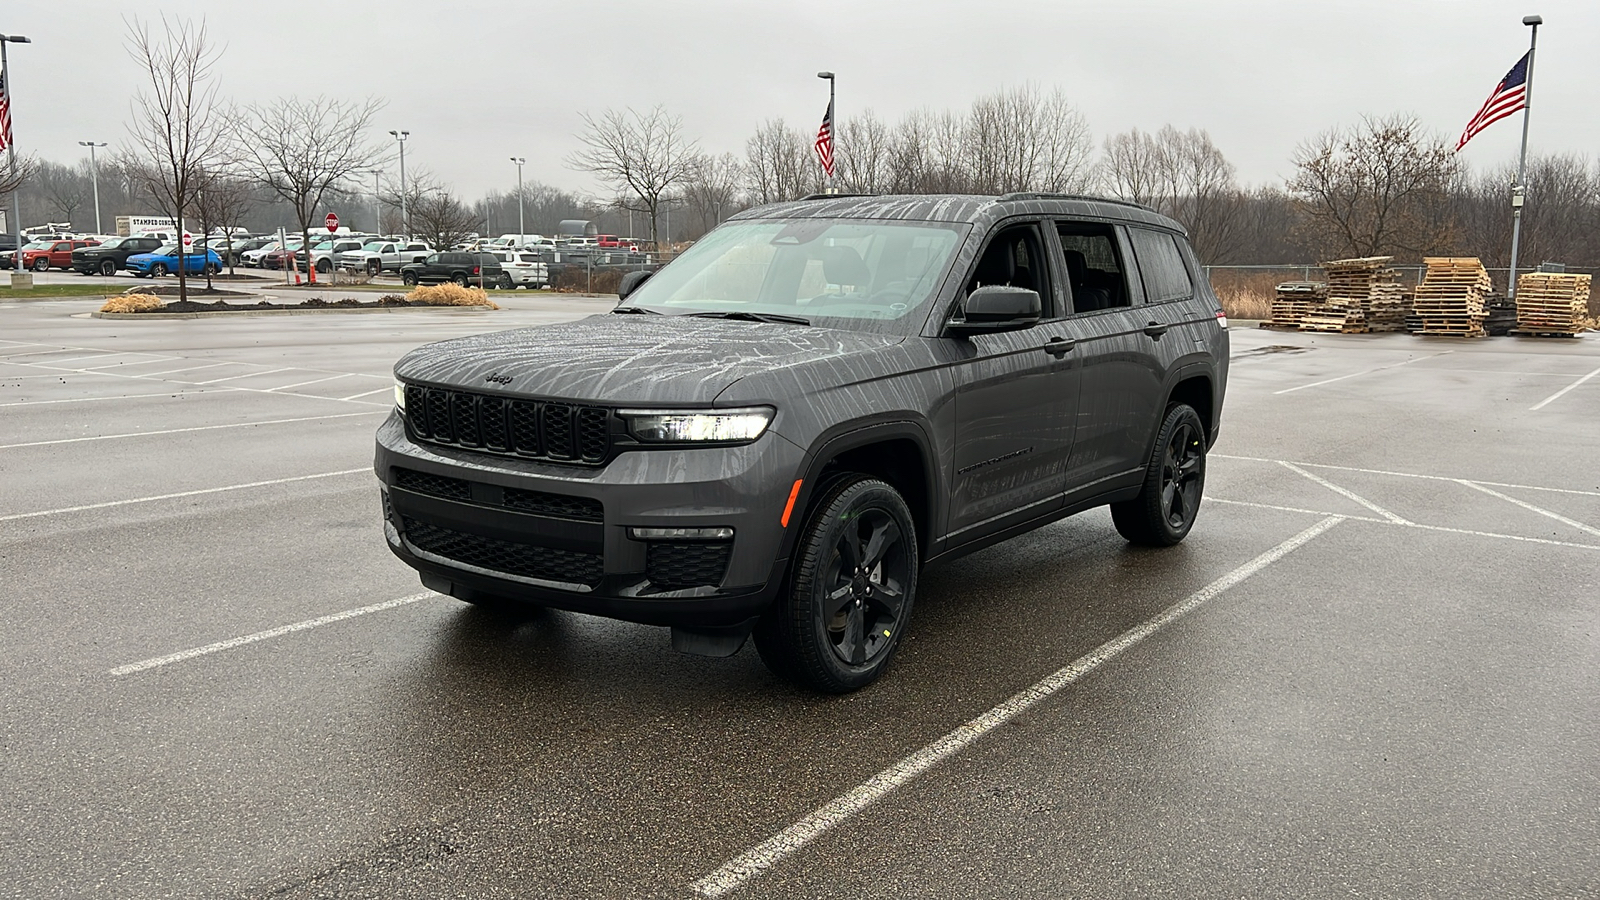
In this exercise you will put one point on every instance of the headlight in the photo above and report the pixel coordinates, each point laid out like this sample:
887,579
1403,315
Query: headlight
400,395
723,425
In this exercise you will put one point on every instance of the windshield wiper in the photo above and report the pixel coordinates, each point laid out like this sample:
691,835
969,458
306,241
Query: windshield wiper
634,310
752,317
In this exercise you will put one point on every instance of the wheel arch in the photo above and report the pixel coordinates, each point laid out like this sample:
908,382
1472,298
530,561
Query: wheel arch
899,453
1194,386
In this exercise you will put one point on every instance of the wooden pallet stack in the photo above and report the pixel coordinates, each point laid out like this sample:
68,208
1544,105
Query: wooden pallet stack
1388,304
1552,304
1365,284
1450,299
1292,300
1338,316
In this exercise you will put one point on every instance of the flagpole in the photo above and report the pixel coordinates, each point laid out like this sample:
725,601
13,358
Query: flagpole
1522,160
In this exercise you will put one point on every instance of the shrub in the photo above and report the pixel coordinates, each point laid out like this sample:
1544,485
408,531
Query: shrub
132,303
450,295
1247,295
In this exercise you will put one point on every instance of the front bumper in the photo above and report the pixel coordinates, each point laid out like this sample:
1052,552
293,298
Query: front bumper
478,544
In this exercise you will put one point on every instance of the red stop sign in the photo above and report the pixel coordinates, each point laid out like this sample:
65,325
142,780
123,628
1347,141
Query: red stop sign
332,221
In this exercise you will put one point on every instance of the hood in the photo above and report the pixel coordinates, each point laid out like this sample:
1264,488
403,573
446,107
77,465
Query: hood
630,359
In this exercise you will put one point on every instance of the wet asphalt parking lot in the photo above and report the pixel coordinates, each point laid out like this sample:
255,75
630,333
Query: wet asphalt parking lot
1371,670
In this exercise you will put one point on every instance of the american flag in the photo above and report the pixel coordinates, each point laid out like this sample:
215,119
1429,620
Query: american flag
1510,95
824,142
5,114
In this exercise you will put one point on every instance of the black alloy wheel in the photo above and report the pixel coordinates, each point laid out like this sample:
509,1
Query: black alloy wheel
1165,509
506,284
108,267
850,592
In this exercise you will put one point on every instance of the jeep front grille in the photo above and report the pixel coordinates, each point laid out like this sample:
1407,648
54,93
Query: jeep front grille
678,565
512,558
540,429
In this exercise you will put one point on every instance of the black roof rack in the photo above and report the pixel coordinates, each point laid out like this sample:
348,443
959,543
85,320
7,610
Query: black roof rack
833,196
1045,195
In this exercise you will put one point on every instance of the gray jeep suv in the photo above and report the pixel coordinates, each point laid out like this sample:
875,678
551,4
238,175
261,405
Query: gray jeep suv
774,433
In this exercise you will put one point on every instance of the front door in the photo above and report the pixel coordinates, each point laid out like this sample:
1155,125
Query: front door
1016,399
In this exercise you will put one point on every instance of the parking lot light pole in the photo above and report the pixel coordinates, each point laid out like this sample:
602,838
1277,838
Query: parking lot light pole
11,144
522,227
405,217
94,179
377,204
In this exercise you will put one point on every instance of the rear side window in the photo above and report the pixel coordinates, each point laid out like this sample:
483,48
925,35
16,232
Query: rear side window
1094,268
1165,275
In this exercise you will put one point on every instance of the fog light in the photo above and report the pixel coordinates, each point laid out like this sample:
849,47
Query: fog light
681,534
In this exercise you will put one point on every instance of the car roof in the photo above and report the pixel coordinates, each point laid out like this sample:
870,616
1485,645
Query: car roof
964,208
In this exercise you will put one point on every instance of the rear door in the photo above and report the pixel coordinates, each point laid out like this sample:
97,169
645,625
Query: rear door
1115,406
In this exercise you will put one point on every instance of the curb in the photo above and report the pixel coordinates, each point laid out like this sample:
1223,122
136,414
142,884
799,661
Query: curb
221,313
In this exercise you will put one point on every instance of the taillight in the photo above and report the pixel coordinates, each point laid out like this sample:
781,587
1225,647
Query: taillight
474,270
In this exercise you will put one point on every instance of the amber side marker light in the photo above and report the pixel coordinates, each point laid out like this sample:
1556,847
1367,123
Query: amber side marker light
789,507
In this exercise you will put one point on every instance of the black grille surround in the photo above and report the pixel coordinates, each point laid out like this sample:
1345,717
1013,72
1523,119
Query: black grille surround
491,554
676,565
534,429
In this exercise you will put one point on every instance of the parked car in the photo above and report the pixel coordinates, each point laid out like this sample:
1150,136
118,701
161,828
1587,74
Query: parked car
164,261
461,268
234,255
523,268
274,259
612,242
52,254
323,253
111,256
774,433
382,255
8,259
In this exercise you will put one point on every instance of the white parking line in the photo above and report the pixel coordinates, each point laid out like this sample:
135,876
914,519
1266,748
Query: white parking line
1442,528
1364,372
1587,529
247,375
216,490
367,394
1347,494
171,393
1311,465
270,633
1558,394
285,387
137,434
176,371
741,869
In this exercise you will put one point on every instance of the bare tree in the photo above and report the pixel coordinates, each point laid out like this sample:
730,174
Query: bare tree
1181,174
66,188
1560,219
642,154
438,216
177,131
778,164
1379,188
222,202
1021,140
306,151
865,155
712,192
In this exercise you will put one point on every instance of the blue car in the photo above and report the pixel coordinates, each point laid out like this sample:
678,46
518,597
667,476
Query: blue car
164,260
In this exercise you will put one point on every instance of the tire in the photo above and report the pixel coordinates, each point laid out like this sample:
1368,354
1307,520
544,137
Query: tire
505,283
158,270
374,267
836,625
42,264
409,279
324,266
459,278
108,267
1174,480
210,269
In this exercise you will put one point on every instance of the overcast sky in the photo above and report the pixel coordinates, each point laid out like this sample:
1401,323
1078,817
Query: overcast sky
476,83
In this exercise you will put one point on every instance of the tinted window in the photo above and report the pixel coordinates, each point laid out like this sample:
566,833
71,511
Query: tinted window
1093,267
1165,275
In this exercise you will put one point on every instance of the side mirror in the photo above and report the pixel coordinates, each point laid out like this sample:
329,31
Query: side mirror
631,282
996,307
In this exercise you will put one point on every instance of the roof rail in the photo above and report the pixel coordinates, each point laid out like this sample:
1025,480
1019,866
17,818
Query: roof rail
833,196
1046,195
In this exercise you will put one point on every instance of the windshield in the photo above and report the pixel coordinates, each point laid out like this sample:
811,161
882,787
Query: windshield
844,273
374,246
114,243
38,245
166,250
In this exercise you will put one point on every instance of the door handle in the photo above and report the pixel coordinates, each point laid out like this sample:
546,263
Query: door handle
1059,346
1156,330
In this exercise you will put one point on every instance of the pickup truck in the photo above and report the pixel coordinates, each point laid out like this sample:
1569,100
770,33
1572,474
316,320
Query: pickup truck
382,256
476,269
323,253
